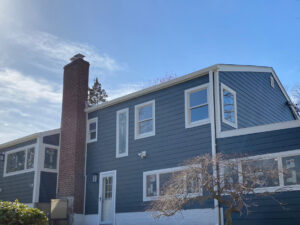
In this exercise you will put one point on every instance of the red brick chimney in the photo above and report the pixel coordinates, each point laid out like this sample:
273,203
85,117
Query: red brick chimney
73,134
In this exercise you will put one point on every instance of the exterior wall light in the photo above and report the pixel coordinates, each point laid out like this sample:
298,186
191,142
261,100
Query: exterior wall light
95,178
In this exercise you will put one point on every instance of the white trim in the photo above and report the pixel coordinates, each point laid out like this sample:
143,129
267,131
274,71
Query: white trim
93,120
225,87
25,170
28,138
188,123
213,139
126,111
44,146
112,173
217,102
272,81
37,174
136,120
259,129
157,173
278,156
248,68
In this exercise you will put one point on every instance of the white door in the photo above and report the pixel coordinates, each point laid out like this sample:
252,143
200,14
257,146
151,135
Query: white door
107,197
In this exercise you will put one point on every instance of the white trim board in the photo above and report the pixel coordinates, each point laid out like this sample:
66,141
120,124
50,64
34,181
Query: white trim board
259,129
199,73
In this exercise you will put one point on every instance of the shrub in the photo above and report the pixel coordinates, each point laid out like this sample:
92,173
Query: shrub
15,213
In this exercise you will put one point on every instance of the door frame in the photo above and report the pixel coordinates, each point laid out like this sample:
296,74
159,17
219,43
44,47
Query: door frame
112,173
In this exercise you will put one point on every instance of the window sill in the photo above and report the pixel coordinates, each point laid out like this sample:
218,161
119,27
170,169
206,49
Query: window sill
145,135
18,172
198,123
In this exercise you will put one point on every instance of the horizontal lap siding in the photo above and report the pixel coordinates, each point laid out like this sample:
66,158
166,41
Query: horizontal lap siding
170,147
18,186
269,211
47,186
261,143
257,102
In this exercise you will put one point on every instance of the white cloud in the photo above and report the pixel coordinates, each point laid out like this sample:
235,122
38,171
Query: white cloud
60,50
18,88
124,89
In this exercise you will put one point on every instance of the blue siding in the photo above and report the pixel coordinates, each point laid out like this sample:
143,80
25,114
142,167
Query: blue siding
47,186
257,102
269,211
261,143
51,139
171,145
16,186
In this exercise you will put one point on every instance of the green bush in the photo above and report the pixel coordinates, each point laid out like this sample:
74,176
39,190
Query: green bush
15,213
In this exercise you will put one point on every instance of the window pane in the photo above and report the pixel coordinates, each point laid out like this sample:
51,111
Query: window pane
93,135
122,132
198,98
30,158
193,184
164,179
151,185
50,158
291,171
231,176
92,126
15,162
145,126
145,112
228,103
264,173
199,113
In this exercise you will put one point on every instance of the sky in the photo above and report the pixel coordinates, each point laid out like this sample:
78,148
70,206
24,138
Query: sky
130,44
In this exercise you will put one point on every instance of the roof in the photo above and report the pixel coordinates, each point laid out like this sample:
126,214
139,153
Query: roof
29,137
181,79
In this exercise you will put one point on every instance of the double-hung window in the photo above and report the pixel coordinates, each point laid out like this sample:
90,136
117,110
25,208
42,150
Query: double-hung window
20,160
122,133
145,120
229,108
92,126
196,106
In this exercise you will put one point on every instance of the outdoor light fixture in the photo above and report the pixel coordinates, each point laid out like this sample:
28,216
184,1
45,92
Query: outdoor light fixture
95,178
2,156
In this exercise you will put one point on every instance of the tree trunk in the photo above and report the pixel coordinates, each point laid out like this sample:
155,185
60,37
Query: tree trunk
228,217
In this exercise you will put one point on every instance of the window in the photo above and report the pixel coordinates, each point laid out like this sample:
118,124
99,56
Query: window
20,160
145,120
92,127
51,154
122,133
257,171
272,81
291,170
230,175
155,183
229,108
196,106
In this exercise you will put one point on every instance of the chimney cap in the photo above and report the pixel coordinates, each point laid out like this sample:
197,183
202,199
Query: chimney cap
77,56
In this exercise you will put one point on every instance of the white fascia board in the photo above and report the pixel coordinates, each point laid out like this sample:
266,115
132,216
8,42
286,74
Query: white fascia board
29,137
158,87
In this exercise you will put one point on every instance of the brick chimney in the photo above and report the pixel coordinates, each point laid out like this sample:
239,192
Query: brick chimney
73,134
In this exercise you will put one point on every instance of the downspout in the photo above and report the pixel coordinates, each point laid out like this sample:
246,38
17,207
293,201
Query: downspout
213,138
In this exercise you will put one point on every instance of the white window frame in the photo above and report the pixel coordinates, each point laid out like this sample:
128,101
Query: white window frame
25,170
44,155
136,120
278,157
119,155
157,173
188,123
88,131
272,81
235,124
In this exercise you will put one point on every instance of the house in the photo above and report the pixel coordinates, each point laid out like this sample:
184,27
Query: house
114,157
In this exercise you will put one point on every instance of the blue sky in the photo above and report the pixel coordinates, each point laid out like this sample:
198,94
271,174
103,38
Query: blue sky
129,45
